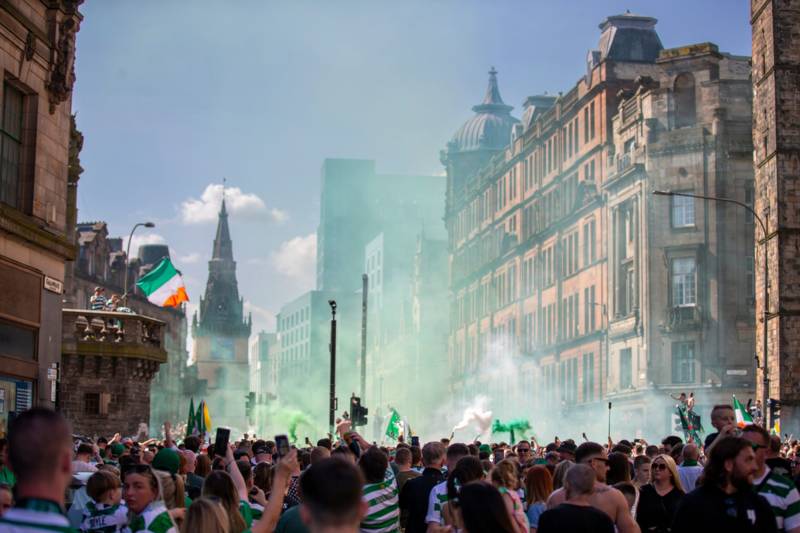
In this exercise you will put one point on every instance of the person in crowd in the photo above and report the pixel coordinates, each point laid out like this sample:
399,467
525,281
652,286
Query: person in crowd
403,460
631,494
438,494
104,512
379,493
97,302
560,473
262,478
6,498
777,463
603,497
193,482
318,453
332,497
524,451
202,465
578,512
538,487
205,516
659,499
416,459
142,493
567,449
83,458
482,510
504,477
651,451
690,469
619,468
256,496
218,484
167,463
641,470
467,470
414,494
778,490
725,500
669,442
40,455
724,421
6,475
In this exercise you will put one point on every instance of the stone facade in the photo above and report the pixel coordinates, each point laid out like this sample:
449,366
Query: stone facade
776,142
557,259
37,51
101,262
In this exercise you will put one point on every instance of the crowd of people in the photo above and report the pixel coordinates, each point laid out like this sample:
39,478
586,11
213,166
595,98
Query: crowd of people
738,480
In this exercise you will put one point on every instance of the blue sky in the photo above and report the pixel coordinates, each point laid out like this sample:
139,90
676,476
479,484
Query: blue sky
172,96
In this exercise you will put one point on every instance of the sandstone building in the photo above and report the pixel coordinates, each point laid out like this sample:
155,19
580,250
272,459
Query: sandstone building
571,284
776,143
37,195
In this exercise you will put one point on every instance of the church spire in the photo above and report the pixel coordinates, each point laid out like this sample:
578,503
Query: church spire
223,247
492,101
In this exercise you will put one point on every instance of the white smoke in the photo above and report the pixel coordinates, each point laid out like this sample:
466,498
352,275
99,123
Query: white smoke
476,415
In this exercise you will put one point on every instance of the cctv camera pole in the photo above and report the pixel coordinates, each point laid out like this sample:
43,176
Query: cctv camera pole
364,294
332,406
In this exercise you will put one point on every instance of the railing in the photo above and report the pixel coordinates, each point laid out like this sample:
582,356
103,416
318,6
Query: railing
683,317
114,334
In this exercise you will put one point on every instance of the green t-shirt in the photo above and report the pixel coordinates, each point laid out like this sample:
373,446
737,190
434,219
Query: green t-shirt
290,522
7,476
247,513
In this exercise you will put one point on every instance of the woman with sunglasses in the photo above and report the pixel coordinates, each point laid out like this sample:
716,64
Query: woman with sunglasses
659,499
142,493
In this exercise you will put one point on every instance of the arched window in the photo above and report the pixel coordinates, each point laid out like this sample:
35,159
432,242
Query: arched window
685,114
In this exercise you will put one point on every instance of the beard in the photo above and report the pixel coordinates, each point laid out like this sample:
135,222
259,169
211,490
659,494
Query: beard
741,481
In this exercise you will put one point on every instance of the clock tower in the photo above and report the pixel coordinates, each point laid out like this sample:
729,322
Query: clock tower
221,333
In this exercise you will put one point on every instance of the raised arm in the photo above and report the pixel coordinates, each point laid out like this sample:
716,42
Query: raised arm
272,512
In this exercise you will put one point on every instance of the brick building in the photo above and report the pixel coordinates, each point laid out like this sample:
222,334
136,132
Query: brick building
37,194
776,142
560,297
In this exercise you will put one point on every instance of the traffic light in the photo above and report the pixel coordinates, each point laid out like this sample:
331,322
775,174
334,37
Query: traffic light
774,409
358,414
250,404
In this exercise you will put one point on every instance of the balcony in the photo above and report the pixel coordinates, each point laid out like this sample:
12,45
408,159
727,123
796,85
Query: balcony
111,334
682,318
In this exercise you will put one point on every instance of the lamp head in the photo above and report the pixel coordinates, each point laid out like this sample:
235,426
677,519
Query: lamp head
149,225
662,193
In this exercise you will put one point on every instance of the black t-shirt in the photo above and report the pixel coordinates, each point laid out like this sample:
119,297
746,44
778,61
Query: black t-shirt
414,498
709,439
708,509
656,511
575,519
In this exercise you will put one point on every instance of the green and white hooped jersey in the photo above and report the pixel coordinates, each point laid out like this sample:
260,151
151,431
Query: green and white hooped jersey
35,516
99,518
154,519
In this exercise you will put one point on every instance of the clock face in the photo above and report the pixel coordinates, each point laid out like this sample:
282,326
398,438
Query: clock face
222,349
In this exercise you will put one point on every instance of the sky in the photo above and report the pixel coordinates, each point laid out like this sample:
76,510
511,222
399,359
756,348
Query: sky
173,96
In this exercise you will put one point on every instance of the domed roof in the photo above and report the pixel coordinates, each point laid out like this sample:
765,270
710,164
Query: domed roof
490,128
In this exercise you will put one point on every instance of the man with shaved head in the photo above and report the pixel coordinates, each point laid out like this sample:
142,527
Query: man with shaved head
689,470
577,514
40,454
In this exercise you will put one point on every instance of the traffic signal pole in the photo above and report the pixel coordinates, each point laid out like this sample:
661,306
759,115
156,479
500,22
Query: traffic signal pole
332,405
364,296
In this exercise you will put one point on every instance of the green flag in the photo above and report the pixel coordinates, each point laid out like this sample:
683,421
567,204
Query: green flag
393,429
200,420
190,424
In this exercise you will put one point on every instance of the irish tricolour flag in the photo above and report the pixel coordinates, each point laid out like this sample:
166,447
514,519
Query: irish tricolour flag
743,418
163,285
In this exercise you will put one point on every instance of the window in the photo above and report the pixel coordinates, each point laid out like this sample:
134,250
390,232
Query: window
685,114
91,403
683,362
591,120
11,185
748,200
588,377
749,277
684,283
625,369
682,212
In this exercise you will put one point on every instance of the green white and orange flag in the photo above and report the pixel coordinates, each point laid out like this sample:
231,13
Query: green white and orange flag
163,285
743,418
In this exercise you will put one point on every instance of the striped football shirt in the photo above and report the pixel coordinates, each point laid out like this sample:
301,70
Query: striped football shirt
383,513
782,496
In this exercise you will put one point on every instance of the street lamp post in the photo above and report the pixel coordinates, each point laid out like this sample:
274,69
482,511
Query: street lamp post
127,258
765,276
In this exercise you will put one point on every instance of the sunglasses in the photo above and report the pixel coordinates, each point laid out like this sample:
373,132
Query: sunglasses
659,466
757,447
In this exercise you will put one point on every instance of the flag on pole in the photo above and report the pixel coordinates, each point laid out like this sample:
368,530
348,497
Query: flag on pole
393,428
202,429
206,417
163,285
776,427
743,418
190,426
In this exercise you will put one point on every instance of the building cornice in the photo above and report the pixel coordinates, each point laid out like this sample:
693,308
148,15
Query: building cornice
25,227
